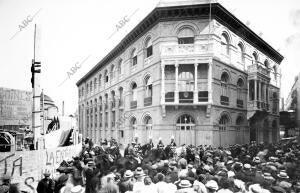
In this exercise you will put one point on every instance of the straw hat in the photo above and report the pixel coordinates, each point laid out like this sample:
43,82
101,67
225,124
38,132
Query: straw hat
211,184
185,184
283,175
77,189
128,174
247,166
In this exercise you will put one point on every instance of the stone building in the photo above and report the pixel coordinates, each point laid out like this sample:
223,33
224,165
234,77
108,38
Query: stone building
188,69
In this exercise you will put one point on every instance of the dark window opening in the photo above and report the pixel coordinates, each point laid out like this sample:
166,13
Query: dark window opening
186,40
149,51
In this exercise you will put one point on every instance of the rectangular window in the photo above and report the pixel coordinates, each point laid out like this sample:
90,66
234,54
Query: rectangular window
186,40
134,60
122,133
149,51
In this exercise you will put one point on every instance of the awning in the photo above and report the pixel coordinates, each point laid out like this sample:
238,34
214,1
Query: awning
250,114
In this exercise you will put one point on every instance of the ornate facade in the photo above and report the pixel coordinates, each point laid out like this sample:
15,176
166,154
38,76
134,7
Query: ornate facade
192,71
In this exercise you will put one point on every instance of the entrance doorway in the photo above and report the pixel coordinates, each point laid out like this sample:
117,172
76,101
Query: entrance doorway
185,130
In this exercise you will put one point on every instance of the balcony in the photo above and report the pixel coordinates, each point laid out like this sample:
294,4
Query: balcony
256,68
147,101
258,105
133,104
185,49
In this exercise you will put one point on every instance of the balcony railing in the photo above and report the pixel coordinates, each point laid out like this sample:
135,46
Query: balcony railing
169,97
224,100
186,97
147,101
258,105
202,96
133,104
256,68
183,49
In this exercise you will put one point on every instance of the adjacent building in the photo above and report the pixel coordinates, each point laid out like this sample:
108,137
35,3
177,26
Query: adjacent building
189,69
290,116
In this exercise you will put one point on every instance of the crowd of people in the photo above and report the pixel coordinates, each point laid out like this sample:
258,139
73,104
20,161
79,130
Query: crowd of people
249,168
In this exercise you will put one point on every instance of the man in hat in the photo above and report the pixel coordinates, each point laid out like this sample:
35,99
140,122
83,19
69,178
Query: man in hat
46,185
160,144
150,144
172,143
185,186
132,150
127,183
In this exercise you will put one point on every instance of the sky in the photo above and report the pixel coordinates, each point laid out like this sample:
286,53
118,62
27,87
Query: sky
76,34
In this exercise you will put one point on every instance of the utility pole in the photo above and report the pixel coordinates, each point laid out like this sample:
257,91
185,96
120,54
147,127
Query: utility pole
36,90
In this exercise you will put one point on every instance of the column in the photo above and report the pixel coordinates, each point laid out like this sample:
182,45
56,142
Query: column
259,90
117,121
209,83
162,83
176,83
255,90
103,119
109,125
196,84
248,91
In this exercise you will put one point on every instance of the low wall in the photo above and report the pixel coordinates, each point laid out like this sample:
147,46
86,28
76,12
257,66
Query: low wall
26,167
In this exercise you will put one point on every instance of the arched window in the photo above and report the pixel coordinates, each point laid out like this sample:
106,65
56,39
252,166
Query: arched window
82,91
87,115
100,79
241,53
87,88
240,85
149,50
106,76
225,44
224,89
186,36
133,102
95,83
224,122
186,120
91,113
254,57
134,91
148,86
148,91
239,122
133,125
91,86
113,99
112,72
148,125
134,57
121,100
120,67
